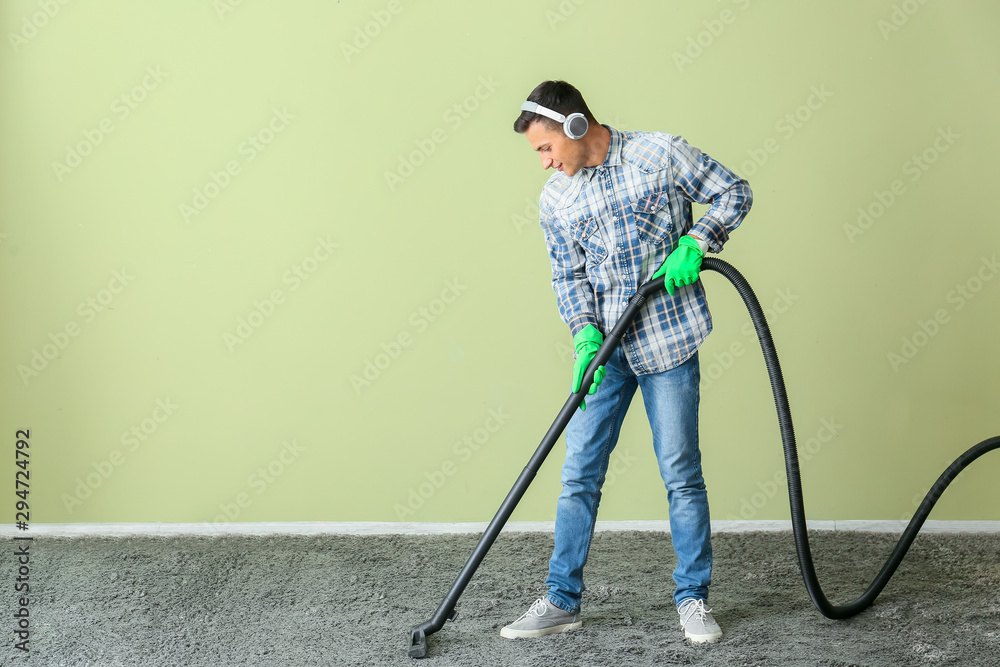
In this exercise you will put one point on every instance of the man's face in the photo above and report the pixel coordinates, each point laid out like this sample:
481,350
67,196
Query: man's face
555,149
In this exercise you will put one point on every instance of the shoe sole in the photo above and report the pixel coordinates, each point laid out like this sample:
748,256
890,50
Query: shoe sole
702,639
528,634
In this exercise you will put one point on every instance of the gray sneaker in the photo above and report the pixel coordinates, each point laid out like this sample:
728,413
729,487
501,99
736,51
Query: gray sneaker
698,624
542,618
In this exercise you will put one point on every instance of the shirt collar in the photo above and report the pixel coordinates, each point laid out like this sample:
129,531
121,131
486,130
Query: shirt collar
614,156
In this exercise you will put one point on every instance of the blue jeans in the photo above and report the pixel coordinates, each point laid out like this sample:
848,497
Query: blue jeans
671,400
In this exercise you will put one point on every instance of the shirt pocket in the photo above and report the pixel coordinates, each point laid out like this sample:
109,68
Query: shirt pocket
584,232
652,217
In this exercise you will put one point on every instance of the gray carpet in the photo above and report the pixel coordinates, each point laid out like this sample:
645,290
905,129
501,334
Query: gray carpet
351,600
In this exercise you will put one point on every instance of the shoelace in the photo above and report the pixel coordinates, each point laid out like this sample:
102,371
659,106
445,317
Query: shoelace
537,608
694,609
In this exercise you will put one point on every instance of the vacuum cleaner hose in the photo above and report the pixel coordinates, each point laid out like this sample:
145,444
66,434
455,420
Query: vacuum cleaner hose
446,610
792,467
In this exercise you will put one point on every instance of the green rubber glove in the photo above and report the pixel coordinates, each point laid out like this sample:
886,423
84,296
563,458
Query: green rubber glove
587,342
682,265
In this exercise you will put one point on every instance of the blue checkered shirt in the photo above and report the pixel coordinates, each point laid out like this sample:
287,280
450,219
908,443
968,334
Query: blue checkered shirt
609,228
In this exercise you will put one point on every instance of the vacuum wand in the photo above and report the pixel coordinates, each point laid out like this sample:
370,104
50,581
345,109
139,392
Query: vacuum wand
446,610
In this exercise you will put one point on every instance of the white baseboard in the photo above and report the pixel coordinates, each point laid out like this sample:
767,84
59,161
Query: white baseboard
424,528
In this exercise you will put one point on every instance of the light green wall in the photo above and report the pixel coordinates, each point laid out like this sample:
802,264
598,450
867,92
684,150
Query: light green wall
458,237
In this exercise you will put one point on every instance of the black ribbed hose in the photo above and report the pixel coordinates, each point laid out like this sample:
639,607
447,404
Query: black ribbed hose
792,467
446,610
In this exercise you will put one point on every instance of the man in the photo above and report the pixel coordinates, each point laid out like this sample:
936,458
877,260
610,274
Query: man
616,214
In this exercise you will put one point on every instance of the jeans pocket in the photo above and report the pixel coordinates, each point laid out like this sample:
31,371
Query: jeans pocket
652,217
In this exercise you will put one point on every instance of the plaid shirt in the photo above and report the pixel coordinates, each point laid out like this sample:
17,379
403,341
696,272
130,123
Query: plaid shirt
609,228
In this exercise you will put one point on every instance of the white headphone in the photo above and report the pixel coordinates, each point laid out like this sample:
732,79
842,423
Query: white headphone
575,125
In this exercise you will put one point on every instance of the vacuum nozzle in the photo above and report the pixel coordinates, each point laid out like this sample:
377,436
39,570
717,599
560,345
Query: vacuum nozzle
418,643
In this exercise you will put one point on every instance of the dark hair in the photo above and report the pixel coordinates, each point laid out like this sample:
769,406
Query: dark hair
558,96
